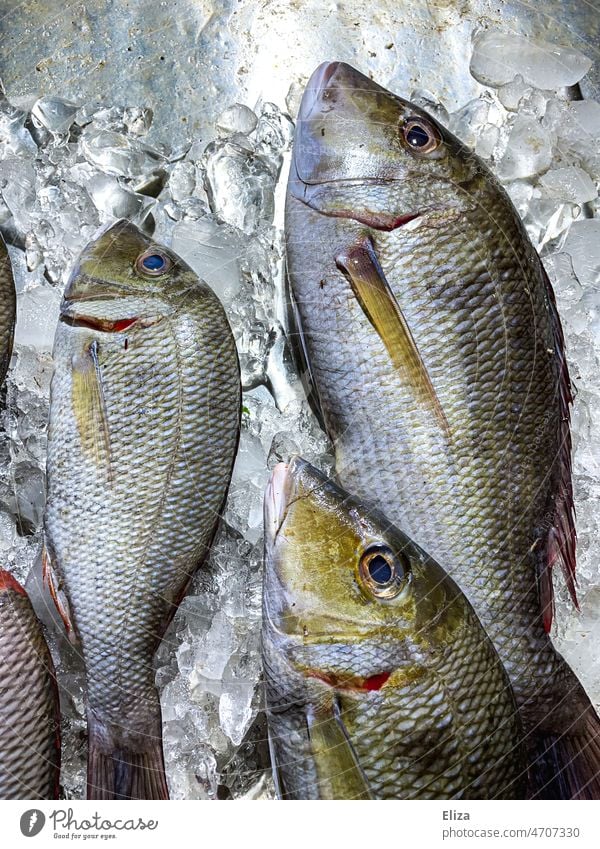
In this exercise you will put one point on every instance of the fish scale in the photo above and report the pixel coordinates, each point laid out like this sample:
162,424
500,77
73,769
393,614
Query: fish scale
127,529
29,717
476,467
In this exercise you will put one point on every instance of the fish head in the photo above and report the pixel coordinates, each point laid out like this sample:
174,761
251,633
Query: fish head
122,263
348,596
362,152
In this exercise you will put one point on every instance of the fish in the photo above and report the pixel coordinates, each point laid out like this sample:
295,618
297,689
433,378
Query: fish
380,680
144,425
433,350
8,313
29,704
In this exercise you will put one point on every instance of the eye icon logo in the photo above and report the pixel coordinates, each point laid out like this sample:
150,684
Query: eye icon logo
32,822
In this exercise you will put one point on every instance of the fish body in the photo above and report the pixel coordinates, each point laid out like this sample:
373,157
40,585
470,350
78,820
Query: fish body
144,426
437,356
380,681
8,311
29,712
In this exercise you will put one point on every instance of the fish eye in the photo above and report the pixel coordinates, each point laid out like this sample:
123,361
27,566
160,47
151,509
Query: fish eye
420,136
152,263
382,573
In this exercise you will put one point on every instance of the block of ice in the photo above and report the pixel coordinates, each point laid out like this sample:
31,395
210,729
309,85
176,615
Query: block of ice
213,250
237,119
240,184
55,114
498,56
583,246
529,150
569,183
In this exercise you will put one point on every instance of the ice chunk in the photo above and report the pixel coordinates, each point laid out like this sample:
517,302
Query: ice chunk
569,183
511,94
118,154
240,184
114,199
468,121
182,180
429,102
213,250
499,56
529,150
237,119
583,246
37,316
55,114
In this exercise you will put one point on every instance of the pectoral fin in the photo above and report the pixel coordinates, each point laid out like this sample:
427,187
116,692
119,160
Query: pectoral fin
340,775
90,408
360,265
51,581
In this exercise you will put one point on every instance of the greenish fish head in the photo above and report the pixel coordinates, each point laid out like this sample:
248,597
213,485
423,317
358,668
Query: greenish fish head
362,152
123,263
346,594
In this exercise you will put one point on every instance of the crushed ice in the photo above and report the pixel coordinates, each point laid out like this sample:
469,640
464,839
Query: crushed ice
67,168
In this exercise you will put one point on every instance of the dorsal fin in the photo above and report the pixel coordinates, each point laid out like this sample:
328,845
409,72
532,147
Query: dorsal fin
561,539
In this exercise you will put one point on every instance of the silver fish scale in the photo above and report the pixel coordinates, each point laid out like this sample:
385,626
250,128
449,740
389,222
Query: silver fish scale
29,752
126,544
8,310
475,302
451,733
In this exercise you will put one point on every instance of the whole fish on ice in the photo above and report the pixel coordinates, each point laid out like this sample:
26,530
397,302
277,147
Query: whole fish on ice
380,681
144,425
29,711
436,353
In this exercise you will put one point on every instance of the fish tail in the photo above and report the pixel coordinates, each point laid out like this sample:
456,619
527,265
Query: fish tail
132,771
566,764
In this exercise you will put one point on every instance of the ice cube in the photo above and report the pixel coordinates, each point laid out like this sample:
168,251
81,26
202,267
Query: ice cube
212,249
55,114
529,150
583,246
240,184
112,198
569,183
237,119
498,57
119,155
511,94
37,317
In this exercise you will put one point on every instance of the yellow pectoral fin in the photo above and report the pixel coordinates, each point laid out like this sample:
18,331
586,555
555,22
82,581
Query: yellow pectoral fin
360,265
89,407
339,773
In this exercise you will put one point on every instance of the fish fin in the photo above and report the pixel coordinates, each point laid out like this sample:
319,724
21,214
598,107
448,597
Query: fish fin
360,265
50,580
339,772
566,765
277,778
90,408
124,772
562,537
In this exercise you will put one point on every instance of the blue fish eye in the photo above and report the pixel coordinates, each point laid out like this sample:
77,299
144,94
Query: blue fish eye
380,570
154,262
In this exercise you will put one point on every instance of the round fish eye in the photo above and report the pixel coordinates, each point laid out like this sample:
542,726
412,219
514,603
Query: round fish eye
420,136
382,573
152,263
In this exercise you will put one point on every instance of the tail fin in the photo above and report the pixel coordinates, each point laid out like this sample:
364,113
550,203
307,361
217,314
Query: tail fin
135,771
567,765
